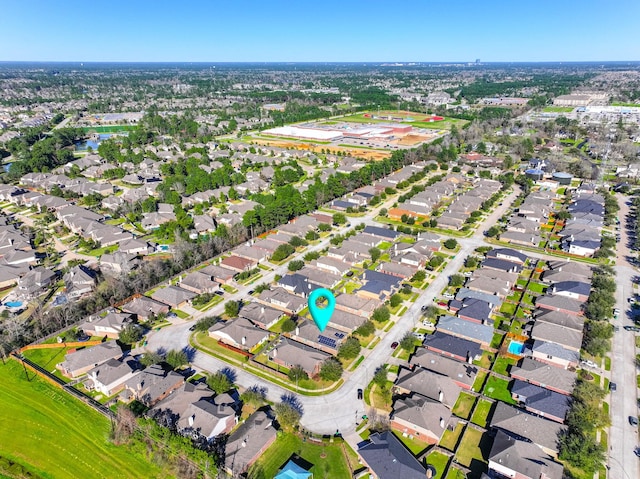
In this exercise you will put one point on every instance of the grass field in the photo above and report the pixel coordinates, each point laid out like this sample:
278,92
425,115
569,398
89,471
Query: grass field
56,436
334,465
445,124
557,109
108,129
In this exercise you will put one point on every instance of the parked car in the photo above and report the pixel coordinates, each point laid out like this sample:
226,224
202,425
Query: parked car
360,394
394,345
635,329
448,295
589,363
613,386
633,421
193,327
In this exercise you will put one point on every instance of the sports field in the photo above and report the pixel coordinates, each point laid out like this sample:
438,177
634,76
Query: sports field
415,119
53,435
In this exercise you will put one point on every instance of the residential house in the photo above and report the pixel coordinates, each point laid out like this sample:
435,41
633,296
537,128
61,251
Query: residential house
560,303
572,289
421,417
35,281
297,284
282,299
248,442
239,333
553,333
555,354
144,307
173,296
356,305
462,373
109,377
260,314
219,274
452,346
238,264
508,255
378,285
322,278
556,317
135,246
525,426
79,361
475,310
329,340
541,401
110,325
510,457
542,374
151,385
332,265
388,458
207,420
118,263
428,384
289,353
79,281
199,283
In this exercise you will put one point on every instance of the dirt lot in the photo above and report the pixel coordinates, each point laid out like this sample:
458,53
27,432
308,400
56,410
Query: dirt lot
356,152
410,140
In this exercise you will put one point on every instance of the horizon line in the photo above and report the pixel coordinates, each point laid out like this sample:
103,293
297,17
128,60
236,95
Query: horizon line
402,62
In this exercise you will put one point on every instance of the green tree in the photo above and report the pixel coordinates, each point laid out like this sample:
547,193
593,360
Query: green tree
282,252
232,308
381,314
297,373
295,265
205,323
471,262
493,231
456,280
219,382
253,396
436,261
408,342
367,328
331,370
151,357
176,358
339,219
375,254
131,333
450,243
288,325
349,349
380,378
395,300
288,416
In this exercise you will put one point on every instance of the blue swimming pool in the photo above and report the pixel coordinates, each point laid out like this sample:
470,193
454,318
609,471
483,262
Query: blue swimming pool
13,304
515,347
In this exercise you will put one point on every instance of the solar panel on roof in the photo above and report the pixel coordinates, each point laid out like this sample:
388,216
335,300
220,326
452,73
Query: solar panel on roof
339,335
327,341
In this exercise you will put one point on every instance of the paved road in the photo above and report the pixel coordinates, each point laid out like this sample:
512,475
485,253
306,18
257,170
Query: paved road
623,437
340,409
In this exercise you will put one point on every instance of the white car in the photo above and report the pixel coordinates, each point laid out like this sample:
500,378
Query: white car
589,363
448,295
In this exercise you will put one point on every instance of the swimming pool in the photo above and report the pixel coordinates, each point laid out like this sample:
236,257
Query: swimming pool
13,304
515,347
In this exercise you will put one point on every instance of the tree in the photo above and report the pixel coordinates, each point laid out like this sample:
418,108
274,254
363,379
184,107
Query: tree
331,370
253,396
493,231
408,342
287,415
282,252
232,308
450,243
381,314
419,276
339,219
297,373
366,329
471,262
150,357
295,265
288,325
375,254
177,358
296,242
380,378
456,280
395,300
436,261
349,349
131,333
205,323
219,382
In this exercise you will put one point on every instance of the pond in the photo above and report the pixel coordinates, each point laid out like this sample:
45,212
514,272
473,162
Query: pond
85,144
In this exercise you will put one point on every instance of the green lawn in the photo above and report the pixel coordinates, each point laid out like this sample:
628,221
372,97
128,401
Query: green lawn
449,438
334,465
439,461
481,412
463,405
479,382
508,309
537,287
501,364
497,388
473,451
414,445
54,435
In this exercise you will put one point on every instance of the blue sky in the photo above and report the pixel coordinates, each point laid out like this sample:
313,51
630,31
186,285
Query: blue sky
327,30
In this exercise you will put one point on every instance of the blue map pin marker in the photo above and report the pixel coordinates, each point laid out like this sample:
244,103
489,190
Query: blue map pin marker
321,316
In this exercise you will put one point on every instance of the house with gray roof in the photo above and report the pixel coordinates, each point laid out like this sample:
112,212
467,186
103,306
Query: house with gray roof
206,420
332,265
510,457
525,426
261,314
452,346
322,278
388,458
541,374
461,328
282,299
219,273
462,373
290,353
151,385
79,361
248,442
345,321
240,333
174,406
143,307
508,254
356,305
474,310
560,303
109,377
110,325
199,283
553,333
297,284
554,354
173,296
556,317
429,384
421,417
464,293
79,281
329,340
541,401
573,289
